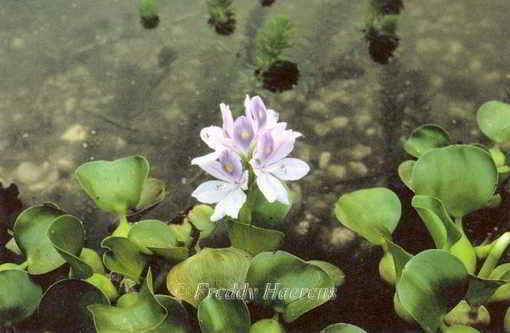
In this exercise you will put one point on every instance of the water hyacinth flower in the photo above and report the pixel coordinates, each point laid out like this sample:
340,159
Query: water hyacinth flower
259,141
226,192
271,164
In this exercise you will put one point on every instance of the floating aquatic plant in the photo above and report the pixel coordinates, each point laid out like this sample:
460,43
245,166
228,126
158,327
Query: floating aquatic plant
274,38
149,14
221,16
122,290
444,288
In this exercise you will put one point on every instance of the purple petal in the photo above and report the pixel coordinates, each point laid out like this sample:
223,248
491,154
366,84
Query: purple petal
243,133
272,188
213,191
264,149
288,169
231,164
228,121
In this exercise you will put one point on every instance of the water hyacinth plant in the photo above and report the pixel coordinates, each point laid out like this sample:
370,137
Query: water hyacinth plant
450,287
150,267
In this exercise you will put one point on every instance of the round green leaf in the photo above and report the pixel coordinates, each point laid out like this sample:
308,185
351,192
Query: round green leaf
373,213
191,279
68,237
124,257
439,224
19,296
343,328
289,284
218,315
200,217
65,303
177,319
405,172
493,118
115,186
426,138
153,192
155,237
270,214
31,234
104,284
461,329
140,313
463,177
431,284
91,258
253,239
267,326
334,272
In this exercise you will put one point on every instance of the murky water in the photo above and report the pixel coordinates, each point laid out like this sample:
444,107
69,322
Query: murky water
82,80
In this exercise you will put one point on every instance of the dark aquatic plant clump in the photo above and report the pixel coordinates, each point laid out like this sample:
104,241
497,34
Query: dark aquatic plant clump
387,7
149,17
267,2
276,73
222,17
381,46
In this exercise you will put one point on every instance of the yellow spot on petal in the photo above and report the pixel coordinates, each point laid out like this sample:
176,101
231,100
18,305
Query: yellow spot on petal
228,167
245,135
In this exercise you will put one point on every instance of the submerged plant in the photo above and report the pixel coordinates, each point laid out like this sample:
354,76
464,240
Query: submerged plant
221,16
274,38
149,14
444,288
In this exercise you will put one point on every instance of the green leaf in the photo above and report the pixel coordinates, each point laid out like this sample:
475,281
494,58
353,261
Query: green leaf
135,312
200,217
115,186
155,237
177,318
267,326
432,283
439,224
426,138
19,296
289,284
493,118
467,315
334,272
31,234
191,279
463,177
270,214
253,239
405,172
461,329
399,256
480,290
65,303
343,328
372,213
217,315
68,237
153,192
104,284
91,258
124,257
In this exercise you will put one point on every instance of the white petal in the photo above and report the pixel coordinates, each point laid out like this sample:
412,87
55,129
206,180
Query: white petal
272,118
213,191
205,159
213,136
289,169
233,202
230,205
272,188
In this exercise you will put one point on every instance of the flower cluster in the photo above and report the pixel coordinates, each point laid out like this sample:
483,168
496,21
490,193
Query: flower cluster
253,145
